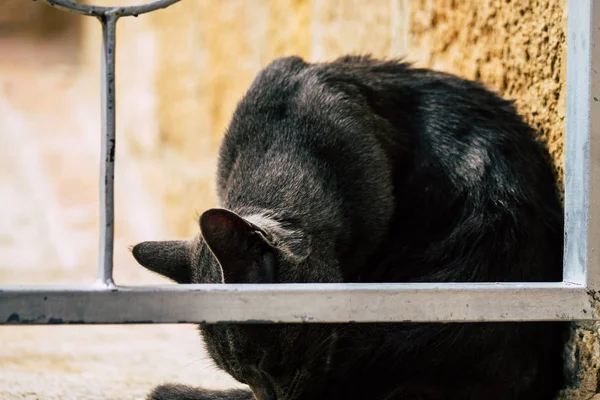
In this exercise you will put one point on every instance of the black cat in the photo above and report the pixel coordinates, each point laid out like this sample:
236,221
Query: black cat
363,170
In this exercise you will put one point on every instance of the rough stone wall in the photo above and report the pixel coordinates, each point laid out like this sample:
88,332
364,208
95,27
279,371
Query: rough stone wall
516,47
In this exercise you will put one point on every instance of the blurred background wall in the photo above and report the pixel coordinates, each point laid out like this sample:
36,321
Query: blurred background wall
180,72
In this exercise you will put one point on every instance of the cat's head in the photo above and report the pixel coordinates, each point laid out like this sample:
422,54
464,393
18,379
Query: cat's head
275,360
229,249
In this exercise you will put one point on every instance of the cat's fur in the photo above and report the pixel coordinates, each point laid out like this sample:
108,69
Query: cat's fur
362,170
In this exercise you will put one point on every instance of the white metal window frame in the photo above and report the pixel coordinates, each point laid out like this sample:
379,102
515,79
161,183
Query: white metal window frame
575,298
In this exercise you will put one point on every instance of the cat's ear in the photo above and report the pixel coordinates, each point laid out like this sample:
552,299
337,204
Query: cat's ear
244,250
168,258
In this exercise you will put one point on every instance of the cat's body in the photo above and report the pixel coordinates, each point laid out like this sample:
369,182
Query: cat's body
368,171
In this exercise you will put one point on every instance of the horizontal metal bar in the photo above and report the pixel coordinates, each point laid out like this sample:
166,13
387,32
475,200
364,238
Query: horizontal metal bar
295,303
98,11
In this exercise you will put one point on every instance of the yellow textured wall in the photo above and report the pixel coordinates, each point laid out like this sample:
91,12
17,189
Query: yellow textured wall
516,47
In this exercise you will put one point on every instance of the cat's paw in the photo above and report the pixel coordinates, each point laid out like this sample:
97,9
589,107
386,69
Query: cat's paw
171,391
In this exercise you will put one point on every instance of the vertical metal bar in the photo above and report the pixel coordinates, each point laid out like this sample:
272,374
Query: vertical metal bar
593,234
107,160
577,167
